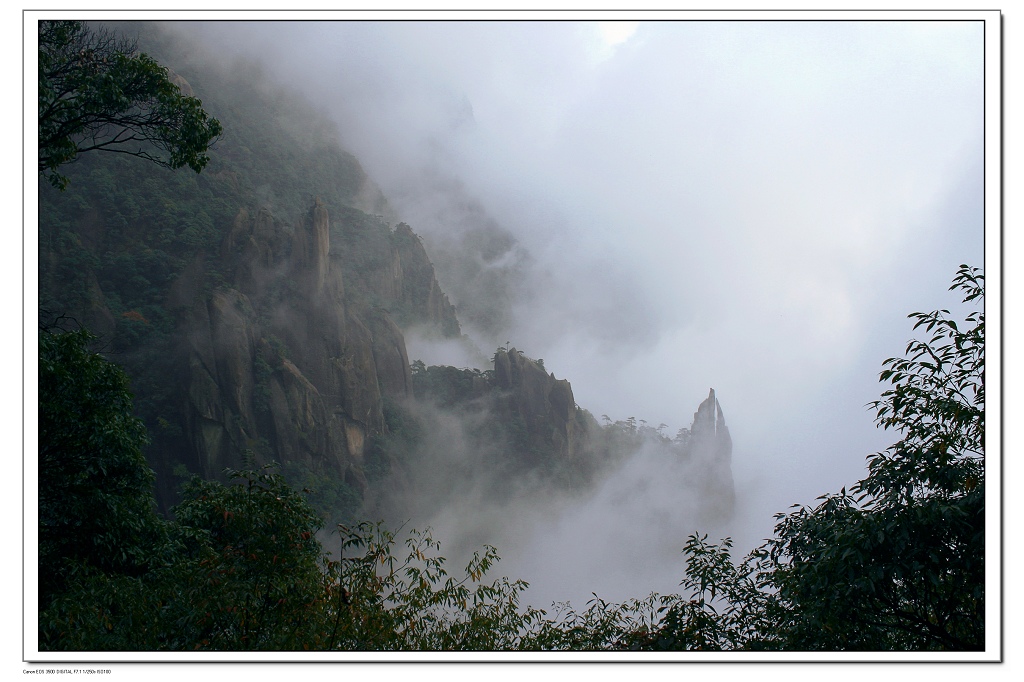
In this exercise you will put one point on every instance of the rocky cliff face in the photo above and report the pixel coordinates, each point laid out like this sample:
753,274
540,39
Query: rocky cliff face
553,427
259,323
709,447
389,269
277,363
417,283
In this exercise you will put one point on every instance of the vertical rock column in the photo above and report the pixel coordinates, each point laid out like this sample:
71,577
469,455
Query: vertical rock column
710,449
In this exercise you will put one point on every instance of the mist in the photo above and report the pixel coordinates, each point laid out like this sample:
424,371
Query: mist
657,208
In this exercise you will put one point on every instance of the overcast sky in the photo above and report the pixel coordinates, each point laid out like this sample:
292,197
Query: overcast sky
749,206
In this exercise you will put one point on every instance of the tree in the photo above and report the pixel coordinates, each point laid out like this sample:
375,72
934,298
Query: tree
96,506
896,563
246,571
96,92
239,568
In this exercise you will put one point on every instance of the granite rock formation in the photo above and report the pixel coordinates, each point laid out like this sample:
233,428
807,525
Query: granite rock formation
709,448
553,425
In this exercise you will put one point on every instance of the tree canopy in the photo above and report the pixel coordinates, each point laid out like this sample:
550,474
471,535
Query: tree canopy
96,507
96,92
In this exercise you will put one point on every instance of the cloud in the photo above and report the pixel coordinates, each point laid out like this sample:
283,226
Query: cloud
617,32
749,206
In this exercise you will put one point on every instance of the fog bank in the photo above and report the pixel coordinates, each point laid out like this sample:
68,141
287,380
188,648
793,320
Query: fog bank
659,208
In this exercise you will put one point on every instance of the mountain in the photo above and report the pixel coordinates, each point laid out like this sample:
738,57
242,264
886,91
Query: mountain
261,309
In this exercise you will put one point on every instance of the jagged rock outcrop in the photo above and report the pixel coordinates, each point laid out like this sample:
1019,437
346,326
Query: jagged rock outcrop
541,405
417,284
709,447
389,268
284,338
278,362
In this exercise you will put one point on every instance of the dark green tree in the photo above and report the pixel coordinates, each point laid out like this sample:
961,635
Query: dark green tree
896,563
248,571
96,506
96,92
239,568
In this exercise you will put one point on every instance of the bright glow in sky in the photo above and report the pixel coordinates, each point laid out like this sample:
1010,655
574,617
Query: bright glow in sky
616,32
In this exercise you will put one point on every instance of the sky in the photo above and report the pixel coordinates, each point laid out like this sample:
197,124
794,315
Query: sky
749,206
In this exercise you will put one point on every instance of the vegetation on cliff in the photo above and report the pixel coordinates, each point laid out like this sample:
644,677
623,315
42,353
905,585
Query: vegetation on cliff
194,283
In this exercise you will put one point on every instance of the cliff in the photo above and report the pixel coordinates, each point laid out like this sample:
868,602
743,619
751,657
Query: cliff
257,306
516,430
277,363
260,307
709,447
553,427
262,347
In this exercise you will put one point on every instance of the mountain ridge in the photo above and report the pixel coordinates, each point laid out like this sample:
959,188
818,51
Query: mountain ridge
256,331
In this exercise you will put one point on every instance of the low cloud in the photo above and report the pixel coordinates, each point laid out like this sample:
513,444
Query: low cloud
753,206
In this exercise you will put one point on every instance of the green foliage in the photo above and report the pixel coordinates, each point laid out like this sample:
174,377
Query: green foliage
410,602
448,386
897,563
334,500
255,570
710,619
241,569
96,508
96,92
908,541
601,626
937,401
